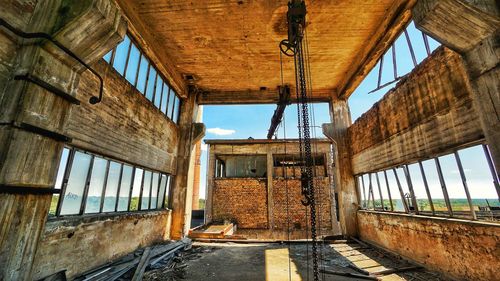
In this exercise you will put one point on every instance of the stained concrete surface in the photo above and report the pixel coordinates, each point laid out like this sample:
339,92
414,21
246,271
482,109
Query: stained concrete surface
272,261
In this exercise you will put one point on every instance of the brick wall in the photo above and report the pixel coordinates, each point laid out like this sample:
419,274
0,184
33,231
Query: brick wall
243,200
296,211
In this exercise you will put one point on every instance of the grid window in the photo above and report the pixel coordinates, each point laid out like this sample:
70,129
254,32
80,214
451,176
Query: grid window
459,184
131,63
93,184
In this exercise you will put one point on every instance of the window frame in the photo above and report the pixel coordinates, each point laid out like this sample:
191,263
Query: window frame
67,171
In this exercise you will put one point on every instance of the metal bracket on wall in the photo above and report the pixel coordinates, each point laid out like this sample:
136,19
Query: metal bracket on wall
41,35
39,131
12,189
51,88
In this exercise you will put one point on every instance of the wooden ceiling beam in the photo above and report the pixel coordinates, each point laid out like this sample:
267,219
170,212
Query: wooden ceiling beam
393,24
268,96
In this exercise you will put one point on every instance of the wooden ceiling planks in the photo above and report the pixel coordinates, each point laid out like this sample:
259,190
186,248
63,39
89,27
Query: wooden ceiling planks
232,46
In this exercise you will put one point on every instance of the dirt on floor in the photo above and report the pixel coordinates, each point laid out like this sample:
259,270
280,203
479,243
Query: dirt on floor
282,261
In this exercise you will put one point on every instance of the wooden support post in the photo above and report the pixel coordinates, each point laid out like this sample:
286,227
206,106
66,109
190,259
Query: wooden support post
30,158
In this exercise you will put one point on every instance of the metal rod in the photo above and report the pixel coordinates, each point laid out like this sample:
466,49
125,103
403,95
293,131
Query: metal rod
410,187
394,64
41,35
411,48
132,180
138,68
364,191
380,191
464,182
370,190
387,84
51,88
139,206
426,43
443,187
119,187
405,204
492,169
380,71
426,185
388,191
127,58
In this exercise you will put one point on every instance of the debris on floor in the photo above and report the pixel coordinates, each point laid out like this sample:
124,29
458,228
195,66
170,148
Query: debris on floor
134,265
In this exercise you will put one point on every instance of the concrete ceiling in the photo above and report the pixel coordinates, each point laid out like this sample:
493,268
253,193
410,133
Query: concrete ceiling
233,45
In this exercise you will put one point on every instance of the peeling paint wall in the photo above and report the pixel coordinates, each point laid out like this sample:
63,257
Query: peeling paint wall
81,243
462,250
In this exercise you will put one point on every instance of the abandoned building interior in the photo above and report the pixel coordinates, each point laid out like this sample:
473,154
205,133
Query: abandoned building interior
112,166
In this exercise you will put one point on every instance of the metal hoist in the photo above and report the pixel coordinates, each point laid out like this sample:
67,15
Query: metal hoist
295,46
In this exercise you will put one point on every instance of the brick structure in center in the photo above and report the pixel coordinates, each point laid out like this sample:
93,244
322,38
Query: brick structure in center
256,185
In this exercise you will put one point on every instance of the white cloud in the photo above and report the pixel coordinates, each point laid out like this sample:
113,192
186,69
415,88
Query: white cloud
204,147
220,132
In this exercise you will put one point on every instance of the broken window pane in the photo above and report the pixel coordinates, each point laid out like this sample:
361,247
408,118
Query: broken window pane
97,177
151,83
395,194
161,193
125,188
143,74
136,189
76,184
121,53
435,189
417,181
404,186
454,185
362,192
59,179
164,99
177,105
385,192
171,101
111,187
133,64
154,190
479,180
158,92
146,188
244,166
170,180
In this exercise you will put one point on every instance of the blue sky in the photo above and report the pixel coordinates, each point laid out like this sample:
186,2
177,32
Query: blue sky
244,121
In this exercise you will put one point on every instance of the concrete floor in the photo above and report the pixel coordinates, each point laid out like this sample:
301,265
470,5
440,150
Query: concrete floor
267,261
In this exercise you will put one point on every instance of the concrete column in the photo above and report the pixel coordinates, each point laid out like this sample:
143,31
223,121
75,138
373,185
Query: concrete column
182,189
197,166
210,184
33,118
471,28
344,179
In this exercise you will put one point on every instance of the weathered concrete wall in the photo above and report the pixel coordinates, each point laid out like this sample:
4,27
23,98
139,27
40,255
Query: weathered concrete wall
429,112
79,244
125,125
463,250
243,200
296,211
